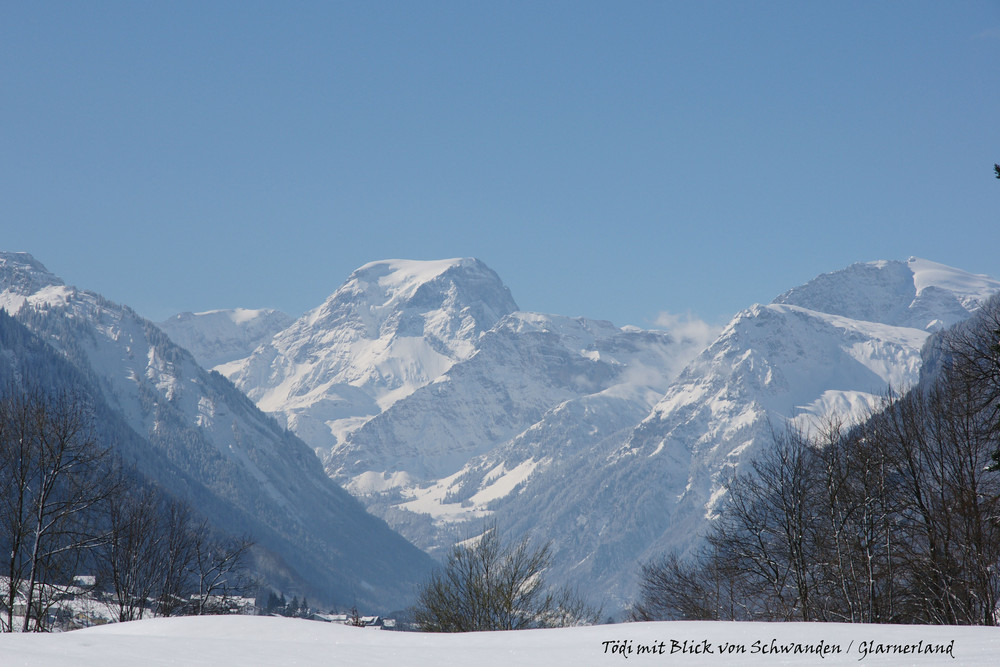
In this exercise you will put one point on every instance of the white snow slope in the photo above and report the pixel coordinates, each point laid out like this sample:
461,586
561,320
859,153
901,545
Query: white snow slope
253,640
538,393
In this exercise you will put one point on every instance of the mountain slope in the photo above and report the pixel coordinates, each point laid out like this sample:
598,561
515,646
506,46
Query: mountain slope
918,293
217,445
538,388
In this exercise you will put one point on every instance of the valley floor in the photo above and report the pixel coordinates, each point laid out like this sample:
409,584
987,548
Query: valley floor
254,640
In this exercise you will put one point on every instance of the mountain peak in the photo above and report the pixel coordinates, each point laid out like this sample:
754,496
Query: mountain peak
386,285
396,273
390,328
917,293
22,274
23,278
928,274
401,297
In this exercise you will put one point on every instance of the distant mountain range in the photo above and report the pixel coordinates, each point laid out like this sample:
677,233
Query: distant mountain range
201,440
437,403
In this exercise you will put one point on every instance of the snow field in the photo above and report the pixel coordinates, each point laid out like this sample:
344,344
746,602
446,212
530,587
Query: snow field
255,640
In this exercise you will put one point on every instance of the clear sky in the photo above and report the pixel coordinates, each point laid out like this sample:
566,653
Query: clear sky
616,160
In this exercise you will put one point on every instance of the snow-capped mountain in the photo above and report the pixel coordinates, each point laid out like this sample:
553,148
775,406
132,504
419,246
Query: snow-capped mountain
391,328
612,495
220,336
430,397
610,442
789,360
918,293
202,440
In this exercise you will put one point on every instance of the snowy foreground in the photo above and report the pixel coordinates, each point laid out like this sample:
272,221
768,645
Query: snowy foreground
253,640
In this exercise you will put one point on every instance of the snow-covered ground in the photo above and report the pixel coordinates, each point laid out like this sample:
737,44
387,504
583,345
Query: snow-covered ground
251,640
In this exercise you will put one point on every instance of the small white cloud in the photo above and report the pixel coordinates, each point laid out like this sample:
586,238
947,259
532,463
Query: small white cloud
688,327
989,33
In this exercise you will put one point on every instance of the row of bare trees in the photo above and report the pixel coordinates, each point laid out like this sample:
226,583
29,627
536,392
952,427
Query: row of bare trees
896,520
157,556
67,508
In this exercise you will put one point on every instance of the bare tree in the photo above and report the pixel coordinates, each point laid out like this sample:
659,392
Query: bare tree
17,444
973,349
54,473
219,570
764,535
180,535
135,554
855,535
674,590
494,586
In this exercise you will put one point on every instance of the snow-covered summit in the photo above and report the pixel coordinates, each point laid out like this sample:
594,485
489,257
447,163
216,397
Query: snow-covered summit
22,276
443,298
392,327
917,293
21,271
401,278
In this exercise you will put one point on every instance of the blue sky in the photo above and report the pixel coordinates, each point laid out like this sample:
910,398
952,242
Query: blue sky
616,160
